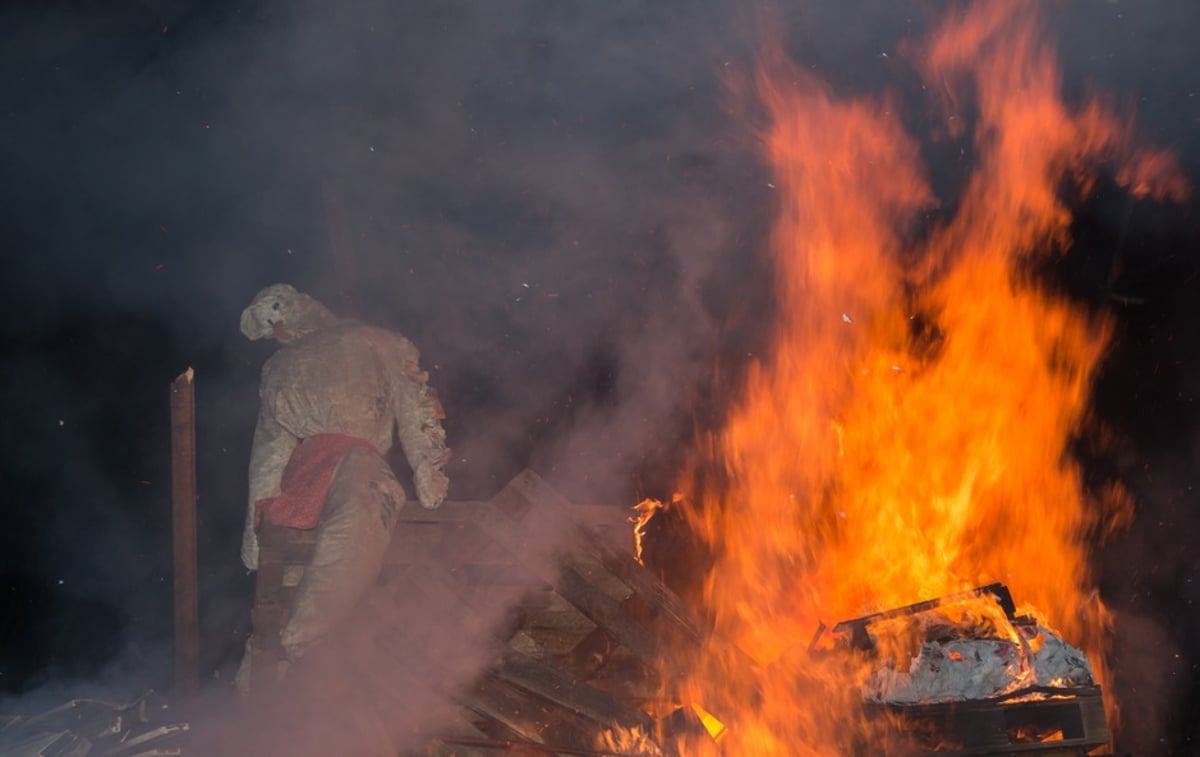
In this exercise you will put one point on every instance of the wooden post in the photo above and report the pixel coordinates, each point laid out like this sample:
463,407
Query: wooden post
183,527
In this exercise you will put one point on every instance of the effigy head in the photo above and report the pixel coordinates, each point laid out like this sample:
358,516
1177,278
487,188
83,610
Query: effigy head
283,313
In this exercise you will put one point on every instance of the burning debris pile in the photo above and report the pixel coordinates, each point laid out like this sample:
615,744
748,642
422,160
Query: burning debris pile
966,672
950,668
963,647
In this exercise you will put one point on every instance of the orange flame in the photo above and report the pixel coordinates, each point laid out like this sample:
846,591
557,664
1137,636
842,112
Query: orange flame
645,510
628,741
909,436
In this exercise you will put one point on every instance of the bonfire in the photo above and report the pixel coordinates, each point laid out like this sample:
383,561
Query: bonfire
909,435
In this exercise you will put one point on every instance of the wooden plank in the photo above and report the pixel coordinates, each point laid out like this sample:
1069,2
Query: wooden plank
557,646
267,618
602,516
464,747
565,691
530,717
413,519
655,593
469,546
526,749
591,652
414,536
450,511
183,529
529,494
581,557
586,575
279,549
416,527
529,673
285,546
527,491
577,584
574,587
628,678
510,574
607,613
462,729
559,616
657,616
526,671
530,645
988,727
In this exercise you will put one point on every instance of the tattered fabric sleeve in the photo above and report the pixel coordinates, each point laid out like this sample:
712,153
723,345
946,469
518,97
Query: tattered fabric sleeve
419,428
269,455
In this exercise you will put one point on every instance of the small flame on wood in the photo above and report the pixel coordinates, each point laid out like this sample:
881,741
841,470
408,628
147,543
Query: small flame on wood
644,510
628,741
715,727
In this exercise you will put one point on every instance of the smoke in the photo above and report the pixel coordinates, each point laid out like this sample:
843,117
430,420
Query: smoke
539,196
1147,395
536,196
551,200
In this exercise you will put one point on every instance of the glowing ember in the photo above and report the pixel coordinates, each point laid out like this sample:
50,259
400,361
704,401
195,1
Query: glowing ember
909,435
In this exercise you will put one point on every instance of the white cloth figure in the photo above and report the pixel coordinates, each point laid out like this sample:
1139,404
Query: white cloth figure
340,377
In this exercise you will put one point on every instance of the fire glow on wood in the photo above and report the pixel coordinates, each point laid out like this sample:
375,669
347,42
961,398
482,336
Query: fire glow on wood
909,436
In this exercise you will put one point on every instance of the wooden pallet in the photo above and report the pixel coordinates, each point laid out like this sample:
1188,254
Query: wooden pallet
1074,717
573,655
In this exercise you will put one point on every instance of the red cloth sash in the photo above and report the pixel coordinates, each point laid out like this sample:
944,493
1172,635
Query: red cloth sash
306,481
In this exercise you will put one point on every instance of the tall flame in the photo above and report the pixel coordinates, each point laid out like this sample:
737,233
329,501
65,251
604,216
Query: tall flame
909,436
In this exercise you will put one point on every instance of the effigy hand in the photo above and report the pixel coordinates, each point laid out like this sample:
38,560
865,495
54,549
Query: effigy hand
431,483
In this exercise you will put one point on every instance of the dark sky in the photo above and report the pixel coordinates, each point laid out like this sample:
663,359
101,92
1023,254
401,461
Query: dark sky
551,199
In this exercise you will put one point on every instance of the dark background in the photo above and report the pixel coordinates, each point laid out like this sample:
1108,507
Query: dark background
553,201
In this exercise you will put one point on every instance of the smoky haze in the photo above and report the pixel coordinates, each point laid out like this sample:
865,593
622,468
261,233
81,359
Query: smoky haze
554,201
533,193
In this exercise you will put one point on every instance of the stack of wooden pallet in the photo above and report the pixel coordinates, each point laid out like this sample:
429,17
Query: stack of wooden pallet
572,635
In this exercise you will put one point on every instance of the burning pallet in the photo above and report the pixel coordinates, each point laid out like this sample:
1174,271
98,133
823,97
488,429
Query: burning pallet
573,659
1065,718
1036,721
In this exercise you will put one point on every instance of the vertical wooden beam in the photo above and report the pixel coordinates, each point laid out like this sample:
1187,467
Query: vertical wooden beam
183,528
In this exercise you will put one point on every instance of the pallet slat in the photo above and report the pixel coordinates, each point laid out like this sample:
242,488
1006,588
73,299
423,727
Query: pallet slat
1075,717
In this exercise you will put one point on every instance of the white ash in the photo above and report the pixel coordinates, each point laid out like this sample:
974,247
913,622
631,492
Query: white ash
966,669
